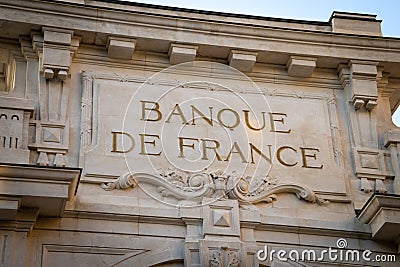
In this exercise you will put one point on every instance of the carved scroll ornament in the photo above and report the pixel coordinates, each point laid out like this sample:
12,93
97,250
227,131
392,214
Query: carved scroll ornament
193,187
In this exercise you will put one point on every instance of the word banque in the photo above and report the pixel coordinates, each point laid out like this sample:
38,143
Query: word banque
150,143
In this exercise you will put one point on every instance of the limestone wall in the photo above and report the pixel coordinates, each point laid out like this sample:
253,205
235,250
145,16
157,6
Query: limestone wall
138,135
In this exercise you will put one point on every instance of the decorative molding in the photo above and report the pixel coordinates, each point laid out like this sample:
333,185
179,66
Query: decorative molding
224,257
34,184
87,112
14,125
392,142
58,46
89,78
55,49
119,255
371,169
185,186
363,84
335,131
382,213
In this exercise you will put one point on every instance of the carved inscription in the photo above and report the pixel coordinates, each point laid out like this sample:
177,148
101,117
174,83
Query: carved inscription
150,143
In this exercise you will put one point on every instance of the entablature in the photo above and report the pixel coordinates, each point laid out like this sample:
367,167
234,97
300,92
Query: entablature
46,189
156,28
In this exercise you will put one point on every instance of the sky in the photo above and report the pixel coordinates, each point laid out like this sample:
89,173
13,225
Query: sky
318,10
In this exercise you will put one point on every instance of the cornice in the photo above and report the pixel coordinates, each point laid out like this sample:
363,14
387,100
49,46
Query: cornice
206,31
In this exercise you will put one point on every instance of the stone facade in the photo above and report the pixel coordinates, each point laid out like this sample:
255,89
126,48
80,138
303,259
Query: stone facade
140,135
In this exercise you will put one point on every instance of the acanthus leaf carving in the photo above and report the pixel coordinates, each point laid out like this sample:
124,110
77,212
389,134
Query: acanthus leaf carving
224,256
185,186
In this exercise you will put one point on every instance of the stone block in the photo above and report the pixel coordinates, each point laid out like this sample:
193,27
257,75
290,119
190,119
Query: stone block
221,217
382,213
8,208
121,48
56,58
354,23
44,188
242,60
182,53
301,66
57,37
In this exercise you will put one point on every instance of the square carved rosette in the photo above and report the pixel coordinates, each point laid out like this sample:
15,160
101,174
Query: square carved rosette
51,138
221,217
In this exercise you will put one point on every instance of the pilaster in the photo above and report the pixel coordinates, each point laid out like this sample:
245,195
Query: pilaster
55,49
220,234
360,81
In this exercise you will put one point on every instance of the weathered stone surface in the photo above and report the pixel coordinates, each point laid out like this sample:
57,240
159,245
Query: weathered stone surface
186,160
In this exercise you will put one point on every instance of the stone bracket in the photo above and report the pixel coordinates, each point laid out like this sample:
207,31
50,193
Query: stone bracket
57,49
382,213
179,53
301,66
242,60
44,188
364,91
51,138
119,47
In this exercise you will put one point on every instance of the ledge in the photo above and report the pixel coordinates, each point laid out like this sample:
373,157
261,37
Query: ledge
44,188
382,213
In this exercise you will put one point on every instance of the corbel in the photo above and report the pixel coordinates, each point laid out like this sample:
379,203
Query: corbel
119,47
242,60
299,66
179,53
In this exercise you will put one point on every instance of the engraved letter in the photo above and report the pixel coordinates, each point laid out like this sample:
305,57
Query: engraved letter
177,111
215,147
280,119
155,107
237,150
128,148
181,145
143,143
279,157
237,118
258,151
208,120
304,156
246,119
